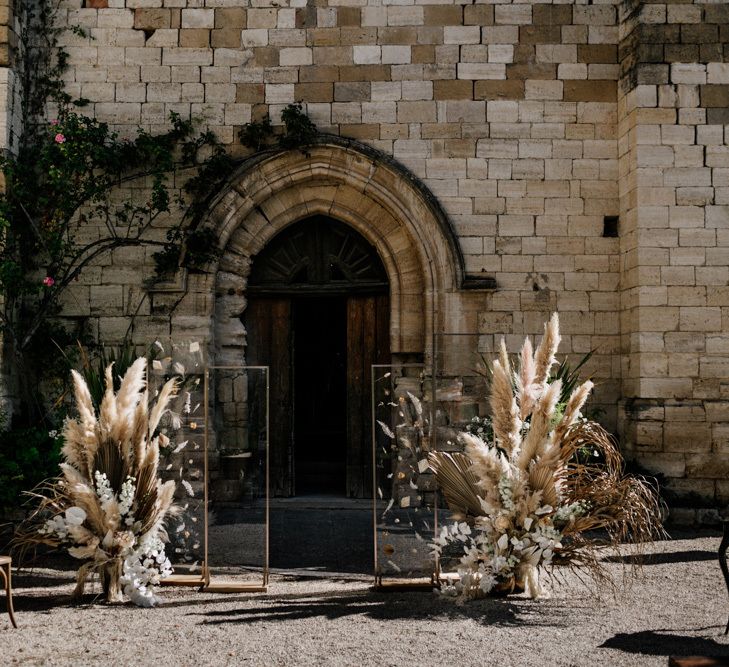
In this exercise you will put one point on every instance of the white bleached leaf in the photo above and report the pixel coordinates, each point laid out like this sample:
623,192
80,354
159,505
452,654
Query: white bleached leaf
188,488
423,465
180,447
416,402
386,429
393,566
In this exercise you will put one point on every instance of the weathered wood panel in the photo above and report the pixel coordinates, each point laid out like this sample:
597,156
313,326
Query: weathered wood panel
368,342
268,323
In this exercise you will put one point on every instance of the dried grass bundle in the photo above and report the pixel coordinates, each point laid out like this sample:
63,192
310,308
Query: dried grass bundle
109,505
527,500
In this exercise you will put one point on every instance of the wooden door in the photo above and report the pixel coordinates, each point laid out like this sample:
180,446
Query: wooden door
368,343
268,325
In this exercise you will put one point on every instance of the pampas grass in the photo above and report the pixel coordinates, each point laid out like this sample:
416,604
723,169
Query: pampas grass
525,501
109,505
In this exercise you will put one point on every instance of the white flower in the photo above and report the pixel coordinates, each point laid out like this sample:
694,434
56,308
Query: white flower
498,563
143,569
501,523
103,490
75,516
488,581
126,500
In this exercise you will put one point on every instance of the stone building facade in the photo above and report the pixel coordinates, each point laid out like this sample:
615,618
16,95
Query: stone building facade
506,160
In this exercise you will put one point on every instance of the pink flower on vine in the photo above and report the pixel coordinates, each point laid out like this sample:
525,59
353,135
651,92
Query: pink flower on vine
48,281
60,139
54,122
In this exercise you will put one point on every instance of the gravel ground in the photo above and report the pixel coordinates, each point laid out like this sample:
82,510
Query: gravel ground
679,606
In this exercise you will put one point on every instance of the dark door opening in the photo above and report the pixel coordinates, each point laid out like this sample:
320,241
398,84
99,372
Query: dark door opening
320,395
318,316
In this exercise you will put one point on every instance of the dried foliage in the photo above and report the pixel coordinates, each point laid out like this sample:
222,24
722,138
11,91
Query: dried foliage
109,504
526,500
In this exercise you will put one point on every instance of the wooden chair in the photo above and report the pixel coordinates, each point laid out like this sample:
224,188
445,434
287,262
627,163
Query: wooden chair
5,569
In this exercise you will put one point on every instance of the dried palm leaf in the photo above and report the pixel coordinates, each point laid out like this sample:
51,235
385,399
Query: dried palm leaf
457,481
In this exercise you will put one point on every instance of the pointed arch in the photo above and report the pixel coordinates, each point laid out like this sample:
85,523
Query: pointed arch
360,187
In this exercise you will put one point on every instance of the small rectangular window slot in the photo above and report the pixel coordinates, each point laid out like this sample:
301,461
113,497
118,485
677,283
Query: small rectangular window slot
610,226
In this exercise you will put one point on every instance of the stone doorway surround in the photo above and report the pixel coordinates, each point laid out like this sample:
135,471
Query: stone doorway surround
352,183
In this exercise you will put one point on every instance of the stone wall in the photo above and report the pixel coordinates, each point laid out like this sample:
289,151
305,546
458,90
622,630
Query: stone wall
673,107
506,112
534,124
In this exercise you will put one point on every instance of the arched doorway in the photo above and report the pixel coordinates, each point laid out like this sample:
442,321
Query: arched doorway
318,316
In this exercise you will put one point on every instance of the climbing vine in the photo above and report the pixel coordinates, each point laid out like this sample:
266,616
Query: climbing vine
76,190
61,209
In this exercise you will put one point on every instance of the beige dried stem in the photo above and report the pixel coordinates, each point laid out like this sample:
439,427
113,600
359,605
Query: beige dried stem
526,385
544,357
504,411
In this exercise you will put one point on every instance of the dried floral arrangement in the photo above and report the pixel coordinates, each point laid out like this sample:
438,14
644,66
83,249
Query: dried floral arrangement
109,505
523,500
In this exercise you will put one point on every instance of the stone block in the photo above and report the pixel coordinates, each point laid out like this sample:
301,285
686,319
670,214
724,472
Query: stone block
198,18
512,14
522,72
405,15
196,38
481,71
461,34
226,38
115,18
700,319
715,95
395,55
366,55
227,18
186,56
543,90
151,19
590,91
499,90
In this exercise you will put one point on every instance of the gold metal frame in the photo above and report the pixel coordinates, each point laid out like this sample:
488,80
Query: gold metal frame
223,586
424,583
205,581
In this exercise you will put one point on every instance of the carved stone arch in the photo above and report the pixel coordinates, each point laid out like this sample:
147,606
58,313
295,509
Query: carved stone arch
360,187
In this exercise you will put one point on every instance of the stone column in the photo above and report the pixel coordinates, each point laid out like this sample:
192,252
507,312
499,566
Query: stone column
674,189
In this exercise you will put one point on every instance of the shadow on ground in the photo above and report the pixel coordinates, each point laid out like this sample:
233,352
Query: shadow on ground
665,642
663,558
388,606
